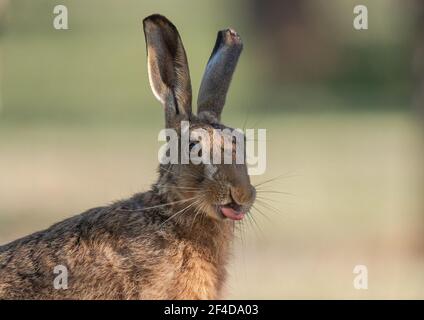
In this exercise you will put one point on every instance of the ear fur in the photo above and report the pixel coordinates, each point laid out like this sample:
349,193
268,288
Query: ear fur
218,74
167,64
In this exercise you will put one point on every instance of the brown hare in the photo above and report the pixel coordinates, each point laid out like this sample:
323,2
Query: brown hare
171,242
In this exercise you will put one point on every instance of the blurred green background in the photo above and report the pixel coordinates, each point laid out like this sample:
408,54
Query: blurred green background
342,109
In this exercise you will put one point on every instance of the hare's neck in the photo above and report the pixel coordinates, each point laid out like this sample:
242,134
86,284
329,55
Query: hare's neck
211,231
212,236
205,245
195,225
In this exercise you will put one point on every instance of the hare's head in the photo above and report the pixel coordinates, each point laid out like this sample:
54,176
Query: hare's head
219,188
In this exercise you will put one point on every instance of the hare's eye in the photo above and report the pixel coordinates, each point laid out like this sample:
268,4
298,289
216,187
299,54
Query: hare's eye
192,144
195,143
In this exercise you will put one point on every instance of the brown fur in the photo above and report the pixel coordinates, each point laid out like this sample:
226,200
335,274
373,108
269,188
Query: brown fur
120,252
171,242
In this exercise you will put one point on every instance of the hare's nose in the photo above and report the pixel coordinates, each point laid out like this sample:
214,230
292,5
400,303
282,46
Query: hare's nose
243,195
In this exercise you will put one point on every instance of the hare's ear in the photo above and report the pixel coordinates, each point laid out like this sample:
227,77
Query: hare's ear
167,66
218,73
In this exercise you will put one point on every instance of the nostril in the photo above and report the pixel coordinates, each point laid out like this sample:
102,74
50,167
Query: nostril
237,197
242,196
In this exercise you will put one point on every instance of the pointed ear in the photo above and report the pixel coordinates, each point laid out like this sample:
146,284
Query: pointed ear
167,66
218,73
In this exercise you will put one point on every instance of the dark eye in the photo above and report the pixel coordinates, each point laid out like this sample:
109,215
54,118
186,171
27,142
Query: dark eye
191,145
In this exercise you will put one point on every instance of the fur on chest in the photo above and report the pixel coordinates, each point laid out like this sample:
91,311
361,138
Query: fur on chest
188,272
202,273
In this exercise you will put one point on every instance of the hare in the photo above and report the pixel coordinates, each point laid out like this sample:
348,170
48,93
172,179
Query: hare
171,242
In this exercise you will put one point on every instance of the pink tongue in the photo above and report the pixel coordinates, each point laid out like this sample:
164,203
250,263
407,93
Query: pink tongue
232,214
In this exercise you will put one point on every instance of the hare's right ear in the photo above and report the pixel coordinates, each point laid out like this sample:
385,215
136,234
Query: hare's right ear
167,66
218,74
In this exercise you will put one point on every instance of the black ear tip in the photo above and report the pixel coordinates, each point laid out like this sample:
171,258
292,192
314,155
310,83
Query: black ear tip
158,19
154,18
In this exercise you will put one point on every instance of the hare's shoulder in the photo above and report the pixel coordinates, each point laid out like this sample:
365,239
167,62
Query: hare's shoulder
122,219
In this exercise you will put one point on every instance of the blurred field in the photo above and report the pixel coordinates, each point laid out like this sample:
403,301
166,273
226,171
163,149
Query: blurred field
354,198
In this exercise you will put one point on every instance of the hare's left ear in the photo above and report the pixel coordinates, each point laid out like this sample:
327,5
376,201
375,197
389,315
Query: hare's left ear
218,74
167,66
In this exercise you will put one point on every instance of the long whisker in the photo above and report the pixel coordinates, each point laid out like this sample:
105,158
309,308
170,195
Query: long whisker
202,216
257,226
261,197
261,212
178,212
268,206
284,175
198,211
241,228
258,190
158,206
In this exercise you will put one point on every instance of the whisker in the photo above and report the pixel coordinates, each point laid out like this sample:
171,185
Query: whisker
284,175
260,197
263,214
257,225
269,207
198,211
273,191
250,223
157,206
180,211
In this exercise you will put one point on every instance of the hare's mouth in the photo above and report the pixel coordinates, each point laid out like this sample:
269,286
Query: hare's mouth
232,211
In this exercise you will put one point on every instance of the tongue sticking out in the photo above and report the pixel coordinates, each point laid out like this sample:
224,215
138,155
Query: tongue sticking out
231,213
